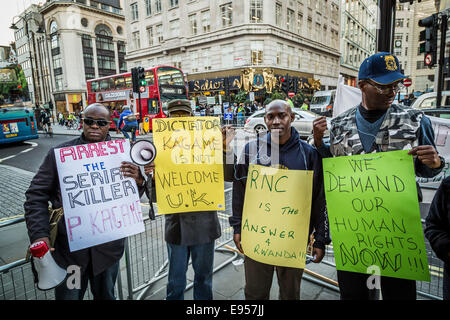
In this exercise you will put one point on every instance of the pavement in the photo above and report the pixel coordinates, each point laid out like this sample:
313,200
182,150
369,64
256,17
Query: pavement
228,281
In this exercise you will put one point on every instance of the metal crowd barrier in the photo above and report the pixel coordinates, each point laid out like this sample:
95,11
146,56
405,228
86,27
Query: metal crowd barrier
145,262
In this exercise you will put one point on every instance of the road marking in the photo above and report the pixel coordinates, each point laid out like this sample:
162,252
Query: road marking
1,160
33,145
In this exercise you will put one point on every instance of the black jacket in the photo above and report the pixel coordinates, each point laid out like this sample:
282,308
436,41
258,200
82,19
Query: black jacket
437,228
195,228
44,188
292,156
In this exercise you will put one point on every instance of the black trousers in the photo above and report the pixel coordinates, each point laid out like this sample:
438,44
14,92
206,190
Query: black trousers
353,286
258,281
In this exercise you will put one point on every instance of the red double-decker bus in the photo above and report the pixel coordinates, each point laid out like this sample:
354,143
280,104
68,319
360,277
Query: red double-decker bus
163,83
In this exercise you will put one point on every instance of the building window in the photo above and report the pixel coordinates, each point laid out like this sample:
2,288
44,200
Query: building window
278,14
88,60
194,61
148,7
105,50
290,21
173,3
158,6
279,53
58,82
134,11
206,21
159,33
106,63
150,36
227,14
256,11
290,56
257,49
121,49
175,28
206,59
176,61
193,24
56,62
299,23
227,55
136,40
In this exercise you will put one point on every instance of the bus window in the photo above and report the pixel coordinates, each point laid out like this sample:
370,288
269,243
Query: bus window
152,105
120,83
149,78
111,84
94,86
170,76
104,85
128,82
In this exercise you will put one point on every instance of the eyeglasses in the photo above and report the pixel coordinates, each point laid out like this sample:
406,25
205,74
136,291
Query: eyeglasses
100,123
385,89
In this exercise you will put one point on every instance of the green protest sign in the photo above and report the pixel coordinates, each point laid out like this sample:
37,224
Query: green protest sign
374,215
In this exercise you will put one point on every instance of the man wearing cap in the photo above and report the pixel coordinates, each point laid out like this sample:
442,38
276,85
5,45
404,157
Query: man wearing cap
191,234
378,125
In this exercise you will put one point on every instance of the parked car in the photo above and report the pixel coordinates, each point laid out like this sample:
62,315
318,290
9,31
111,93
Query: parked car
428,100
322,102
303,122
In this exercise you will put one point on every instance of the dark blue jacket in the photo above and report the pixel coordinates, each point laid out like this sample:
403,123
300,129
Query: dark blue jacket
295,154
127,112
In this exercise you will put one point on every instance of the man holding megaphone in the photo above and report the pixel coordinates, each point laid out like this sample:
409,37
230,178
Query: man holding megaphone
191,234
99,264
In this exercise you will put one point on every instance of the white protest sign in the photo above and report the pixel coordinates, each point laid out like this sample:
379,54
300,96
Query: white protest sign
100,204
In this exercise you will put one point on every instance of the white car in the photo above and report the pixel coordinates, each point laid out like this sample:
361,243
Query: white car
303,122
428,100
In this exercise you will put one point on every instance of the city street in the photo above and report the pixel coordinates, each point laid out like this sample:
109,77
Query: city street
368,78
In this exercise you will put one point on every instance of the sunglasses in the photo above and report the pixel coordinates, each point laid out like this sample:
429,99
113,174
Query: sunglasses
387,88
100,123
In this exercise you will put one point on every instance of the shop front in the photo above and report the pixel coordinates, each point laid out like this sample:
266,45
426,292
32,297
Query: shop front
60,102
75,102
260,81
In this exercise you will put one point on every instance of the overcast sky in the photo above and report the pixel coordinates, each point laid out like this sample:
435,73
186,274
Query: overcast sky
9,9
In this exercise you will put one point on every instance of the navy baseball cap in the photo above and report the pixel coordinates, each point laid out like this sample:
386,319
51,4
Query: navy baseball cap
382,68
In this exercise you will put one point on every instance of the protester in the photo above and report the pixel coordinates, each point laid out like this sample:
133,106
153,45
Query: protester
129,119
437,230
192,234
378,125
99,264
295,154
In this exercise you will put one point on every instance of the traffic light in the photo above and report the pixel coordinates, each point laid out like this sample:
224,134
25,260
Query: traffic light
141,76
135,80
284,84
428,38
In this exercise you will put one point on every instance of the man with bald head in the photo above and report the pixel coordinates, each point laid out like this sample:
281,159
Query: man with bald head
281,148
99,265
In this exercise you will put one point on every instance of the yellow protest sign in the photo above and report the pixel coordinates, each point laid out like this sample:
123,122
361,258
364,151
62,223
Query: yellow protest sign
189,164
275,219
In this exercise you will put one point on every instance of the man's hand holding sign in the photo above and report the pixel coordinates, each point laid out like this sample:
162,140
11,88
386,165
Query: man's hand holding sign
94,181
